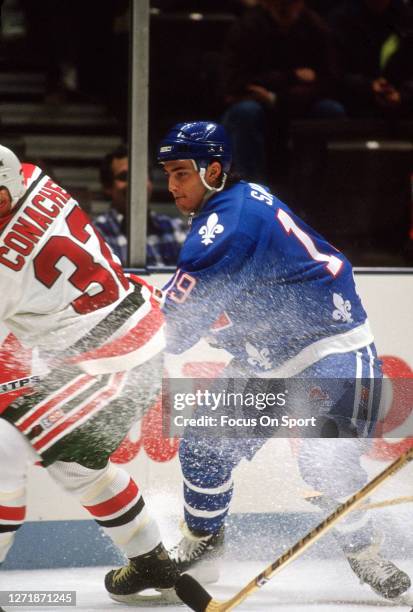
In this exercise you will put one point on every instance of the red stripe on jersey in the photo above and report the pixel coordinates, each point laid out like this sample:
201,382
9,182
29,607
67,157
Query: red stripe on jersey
116,503
63,395
101,398
10,513
134,339
140,281
156,294
28,171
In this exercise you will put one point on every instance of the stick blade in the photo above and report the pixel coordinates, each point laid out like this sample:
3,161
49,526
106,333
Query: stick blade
192,593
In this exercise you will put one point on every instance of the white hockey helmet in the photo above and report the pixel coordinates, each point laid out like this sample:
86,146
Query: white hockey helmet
11,174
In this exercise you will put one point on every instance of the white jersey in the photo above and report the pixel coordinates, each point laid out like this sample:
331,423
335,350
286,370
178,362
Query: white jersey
58,278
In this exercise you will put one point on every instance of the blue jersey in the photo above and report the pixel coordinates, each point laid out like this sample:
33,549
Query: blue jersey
254,279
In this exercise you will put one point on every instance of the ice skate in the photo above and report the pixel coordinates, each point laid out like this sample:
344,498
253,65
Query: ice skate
198,554
153,570
379,573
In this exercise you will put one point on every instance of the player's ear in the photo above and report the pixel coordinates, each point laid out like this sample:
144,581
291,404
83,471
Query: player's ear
214,171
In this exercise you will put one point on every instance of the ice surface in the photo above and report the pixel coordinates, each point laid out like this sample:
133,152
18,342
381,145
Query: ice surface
305,585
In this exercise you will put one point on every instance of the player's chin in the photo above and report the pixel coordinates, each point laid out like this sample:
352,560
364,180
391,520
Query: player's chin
183,206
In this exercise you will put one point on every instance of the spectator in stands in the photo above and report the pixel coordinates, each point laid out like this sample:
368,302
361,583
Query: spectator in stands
165,234
374,40
278,65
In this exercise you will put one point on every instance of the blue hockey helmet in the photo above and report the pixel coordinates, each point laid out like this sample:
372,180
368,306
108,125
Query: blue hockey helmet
202,141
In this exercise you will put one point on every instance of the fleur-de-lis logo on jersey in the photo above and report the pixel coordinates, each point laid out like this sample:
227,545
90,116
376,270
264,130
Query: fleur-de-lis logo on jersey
258,358
211,228
343,309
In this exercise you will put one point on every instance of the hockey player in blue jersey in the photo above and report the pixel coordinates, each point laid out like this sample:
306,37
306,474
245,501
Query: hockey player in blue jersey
255,280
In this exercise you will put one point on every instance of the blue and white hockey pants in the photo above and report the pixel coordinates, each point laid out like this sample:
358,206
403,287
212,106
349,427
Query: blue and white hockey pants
330,466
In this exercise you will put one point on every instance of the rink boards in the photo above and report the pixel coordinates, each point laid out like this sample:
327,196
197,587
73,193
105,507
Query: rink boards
269,502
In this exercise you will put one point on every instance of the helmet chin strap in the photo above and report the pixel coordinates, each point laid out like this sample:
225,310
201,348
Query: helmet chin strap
210,190
201,172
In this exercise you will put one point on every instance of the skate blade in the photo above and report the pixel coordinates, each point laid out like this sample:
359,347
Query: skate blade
406,599
161,597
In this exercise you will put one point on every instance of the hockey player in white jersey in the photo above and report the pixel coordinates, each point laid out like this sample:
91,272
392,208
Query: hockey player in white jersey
101,336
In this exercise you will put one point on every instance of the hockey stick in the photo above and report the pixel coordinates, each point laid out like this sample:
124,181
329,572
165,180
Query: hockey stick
385,503
198,599
19,383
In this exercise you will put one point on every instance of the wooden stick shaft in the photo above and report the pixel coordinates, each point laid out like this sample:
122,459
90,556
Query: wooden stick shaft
385,503
311,537
373,505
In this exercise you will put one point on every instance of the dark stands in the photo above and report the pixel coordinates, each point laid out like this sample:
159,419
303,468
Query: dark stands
352,181
361,170
185,49
349,177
